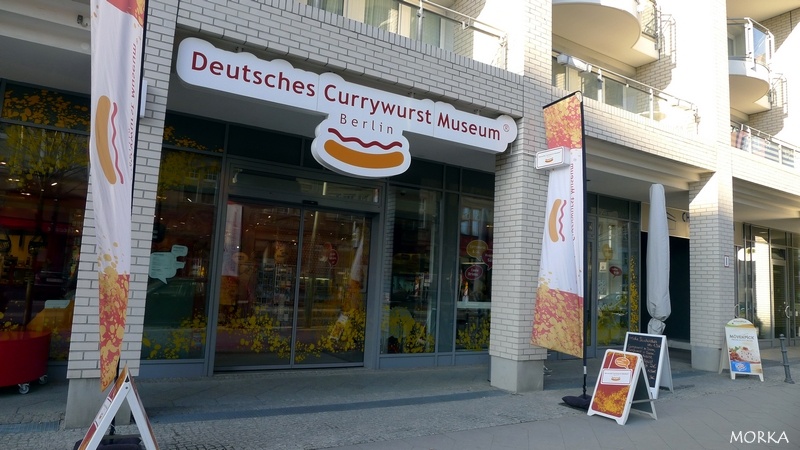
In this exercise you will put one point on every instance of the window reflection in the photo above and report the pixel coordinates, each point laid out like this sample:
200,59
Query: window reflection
43,183
613,299
408,324
175,318
475,260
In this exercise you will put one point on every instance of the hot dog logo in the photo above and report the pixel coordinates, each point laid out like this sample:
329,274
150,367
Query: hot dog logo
367,155
555,221
105,140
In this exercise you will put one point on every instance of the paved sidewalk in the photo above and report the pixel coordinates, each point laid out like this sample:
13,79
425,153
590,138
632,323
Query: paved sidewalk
439,408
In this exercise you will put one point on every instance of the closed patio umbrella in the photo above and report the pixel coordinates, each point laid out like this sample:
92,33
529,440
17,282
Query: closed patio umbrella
658,301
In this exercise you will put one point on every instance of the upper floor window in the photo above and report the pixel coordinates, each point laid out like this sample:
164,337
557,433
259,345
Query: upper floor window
430,23
389,15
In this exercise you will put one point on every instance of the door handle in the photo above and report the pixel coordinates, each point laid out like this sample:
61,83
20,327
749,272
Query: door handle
786,311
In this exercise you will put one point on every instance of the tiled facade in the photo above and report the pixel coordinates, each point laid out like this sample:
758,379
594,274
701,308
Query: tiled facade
693,65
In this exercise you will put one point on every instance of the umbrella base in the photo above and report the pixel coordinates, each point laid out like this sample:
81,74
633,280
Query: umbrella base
578,401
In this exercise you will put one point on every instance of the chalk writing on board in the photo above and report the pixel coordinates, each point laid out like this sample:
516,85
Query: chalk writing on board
649,346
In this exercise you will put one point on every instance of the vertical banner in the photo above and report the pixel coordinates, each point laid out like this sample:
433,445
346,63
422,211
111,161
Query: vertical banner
558,313
117,48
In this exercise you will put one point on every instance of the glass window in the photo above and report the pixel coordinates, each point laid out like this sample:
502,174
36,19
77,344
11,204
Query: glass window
590,85
431,26
614,93
475,260
477,183
46,107
308,158
384,14
760,46
559,74
422,173
409,319
614,207
613,281
334,6
452,178
43,184
250,182
194,133
176,307
264,145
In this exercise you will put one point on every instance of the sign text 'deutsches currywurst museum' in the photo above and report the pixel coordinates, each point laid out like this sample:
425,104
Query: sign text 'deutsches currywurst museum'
362,134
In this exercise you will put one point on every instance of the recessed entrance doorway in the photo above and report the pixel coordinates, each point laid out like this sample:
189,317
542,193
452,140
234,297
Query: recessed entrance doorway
292,287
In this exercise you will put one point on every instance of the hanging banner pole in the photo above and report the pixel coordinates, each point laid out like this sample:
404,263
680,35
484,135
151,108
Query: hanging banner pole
117,50
560,313
558,322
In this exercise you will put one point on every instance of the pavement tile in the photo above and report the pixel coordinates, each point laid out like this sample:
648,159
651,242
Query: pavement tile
424,409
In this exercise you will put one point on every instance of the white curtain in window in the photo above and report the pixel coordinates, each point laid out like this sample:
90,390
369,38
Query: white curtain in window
334,6
382,14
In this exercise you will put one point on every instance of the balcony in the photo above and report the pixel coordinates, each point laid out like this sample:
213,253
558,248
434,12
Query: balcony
750,49
625,30
763,145
430,22
616,90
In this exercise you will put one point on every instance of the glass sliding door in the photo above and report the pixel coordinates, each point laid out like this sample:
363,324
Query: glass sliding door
780,293
614,270
292,287
331,307
258,289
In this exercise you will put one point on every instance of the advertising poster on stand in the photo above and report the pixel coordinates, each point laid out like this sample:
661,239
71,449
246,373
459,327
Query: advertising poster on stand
744,356
621,386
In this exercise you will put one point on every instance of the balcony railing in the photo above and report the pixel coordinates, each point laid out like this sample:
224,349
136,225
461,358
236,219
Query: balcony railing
750,41
762,144
622,92
428,22
649,18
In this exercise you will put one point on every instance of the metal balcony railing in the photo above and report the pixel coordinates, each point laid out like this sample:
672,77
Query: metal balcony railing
428,22
750,41
622,92
761,144
649,18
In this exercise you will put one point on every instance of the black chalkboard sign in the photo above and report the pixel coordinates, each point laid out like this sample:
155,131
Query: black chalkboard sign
653,348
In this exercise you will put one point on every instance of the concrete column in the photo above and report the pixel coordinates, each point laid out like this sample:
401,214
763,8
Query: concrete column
520,201
712,280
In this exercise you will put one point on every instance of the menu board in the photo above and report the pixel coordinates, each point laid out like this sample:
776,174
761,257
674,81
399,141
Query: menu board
621,385
655,358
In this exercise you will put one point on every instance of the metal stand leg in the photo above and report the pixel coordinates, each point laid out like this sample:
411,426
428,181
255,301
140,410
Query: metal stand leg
785,361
